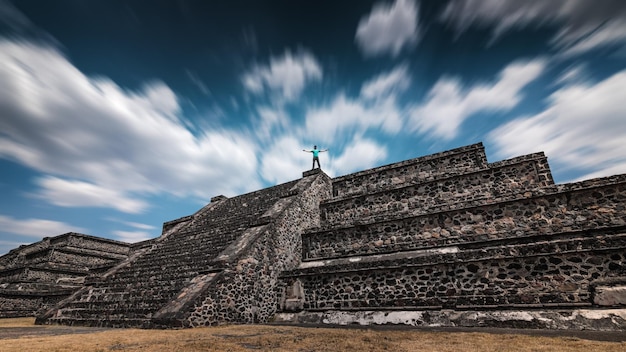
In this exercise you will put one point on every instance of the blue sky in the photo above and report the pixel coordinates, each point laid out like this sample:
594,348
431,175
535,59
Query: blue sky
116,116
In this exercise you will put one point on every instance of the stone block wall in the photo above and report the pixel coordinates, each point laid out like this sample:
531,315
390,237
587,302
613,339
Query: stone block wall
427,168
86,242
38,276
16,305
489,238
545,273
602,204
245,291
496,181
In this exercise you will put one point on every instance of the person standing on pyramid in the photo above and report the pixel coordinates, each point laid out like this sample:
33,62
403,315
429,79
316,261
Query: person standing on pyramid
316,152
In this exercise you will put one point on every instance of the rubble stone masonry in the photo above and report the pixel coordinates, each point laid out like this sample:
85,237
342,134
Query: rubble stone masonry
446,239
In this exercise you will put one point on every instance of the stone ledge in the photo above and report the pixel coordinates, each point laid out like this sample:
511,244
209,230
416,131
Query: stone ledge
218,198
176,221
362,259
477,203
89,252
312,172
610,296
46,267
491,168
469,242
472,147
610,243
564,319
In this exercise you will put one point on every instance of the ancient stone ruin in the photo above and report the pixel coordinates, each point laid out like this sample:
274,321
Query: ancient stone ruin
442,240
39,275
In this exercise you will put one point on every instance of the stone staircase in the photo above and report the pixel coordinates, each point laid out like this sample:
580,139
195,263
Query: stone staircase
427,238
188,263
37,276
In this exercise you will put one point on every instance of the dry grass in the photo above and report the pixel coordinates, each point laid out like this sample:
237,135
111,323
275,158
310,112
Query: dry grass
282,338
16,323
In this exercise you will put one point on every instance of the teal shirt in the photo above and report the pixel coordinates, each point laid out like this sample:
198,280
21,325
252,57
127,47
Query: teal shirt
315,153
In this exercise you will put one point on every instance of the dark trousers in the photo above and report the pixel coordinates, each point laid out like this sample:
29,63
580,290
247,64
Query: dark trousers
318,163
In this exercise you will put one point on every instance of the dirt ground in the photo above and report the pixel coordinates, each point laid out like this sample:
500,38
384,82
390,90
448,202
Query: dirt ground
21,335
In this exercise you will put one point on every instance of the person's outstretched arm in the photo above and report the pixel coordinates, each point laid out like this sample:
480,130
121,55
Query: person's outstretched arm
308,151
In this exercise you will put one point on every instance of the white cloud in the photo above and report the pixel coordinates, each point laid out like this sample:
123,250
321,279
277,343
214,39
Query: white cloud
585,25
388,29
583,128
132,236
284,160
82,194
449,104
573,74
344,115
285,76
393,82
375,110
136,225
270,122
35,229
611,33
140,226
361,154
102,140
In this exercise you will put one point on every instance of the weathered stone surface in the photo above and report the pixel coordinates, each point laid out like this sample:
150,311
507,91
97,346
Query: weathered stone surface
444,239
610,296
218,265
478,238
37,276
597,319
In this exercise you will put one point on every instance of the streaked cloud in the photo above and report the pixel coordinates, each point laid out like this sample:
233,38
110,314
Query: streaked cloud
584,25
106,146
193,77
388,29
612,32
449,103
573,74
132,224
344,115
66,193
283,160
392,82
270,121
340,123
583,128
138,225
35,229
133,236
284,76
360,154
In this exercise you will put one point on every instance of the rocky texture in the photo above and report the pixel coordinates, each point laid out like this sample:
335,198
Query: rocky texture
424,235
246,290
537,274
430,167
563,319
511,177
37,276
445,239
218,265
